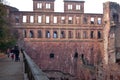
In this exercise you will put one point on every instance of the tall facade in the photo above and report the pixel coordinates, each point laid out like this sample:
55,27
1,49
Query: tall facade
70,45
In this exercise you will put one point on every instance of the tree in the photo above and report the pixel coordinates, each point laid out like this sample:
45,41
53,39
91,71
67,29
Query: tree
7,38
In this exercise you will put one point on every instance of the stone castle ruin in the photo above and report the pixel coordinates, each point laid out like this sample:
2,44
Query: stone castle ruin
71,45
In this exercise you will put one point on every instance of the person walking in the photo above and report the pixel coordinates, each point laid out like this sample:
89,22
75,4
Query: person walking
8,52
12,53
16,52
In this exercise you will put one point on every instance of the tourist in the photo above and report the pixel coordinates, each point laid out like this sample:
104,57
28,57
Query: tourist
16,52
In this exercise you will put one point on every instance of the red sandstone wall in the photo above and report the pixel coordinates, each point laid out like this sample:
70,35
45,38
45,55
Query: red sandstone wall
64,55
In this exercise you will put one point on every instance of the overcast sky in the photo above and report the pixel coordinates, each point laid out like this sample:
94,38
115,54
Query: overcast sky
91,6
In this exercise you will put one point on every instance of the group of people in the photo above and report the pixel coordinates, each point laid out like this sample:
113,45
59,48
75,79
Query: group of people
14,53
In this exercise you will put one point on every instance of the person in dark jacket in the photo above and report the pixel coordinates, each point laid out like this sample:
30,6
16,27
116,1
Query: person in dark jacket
16,52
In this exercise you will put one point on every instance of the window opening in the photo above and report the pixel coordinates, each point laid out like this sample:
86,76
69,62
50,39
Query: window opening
24,33
51,55
55,34
63,20
39,19
76,55
70,20
92,20
47,34
70,34
48,6
99,21
31,19
24,19
85,20
84,34
16,19
78,35
39,34
77,7
47,19
92,34
115,17
99,34
69,7
39,5
31,34
55,19
62,34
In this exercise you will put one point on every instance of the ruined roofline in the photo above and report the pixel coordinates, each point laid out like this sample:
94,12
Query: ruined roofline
110,2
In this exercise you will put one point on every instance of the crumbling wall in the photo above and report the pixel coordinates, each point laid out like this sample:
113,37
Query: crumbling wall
69,57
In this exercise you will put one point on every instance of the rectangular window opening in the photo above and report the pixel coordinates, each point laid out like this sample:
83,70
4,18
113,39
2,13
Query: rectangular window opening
24,19
39,19
31,19
55,19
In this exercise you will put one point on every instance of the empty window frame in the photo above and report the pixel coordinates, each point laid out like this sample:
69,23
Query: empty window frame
24,34
24,19
48,5
70,6
47,34
63,20
115,17
78,7
39,34
76,55
85,20
92,20
31,34
84,34
70,34
39,5
55,34
99,35
39,19
52,55
55,19
62,34
92,34
99,21
78,35
31,19
70,21
47,19
16,19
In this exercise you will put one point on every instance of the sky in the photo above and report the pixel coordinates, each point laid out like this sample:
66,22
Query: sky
91,6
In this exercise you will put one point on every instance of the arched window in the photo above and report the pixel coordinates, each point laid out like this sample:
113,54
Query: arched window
55,35
62,35
70,34
78,35
76,55
99,34
85,34
92,34
24,33
47,34
39,34
31,34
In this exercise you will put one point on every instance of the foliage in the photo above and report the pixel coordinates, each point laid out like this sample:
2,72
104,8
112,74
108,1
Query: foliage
7,38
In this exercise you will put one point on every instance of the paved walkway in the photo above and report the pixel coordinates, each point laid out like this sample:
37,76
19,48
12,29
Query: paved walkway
11,70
